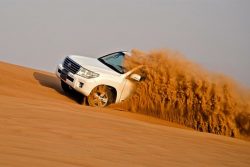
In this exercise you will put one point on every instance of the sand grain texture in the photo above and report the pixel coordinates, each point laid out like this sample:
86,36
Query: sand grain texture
178,90
40,126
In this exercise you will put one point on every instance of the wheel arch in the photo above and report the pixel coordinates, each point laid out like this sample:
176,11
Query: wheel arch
114,92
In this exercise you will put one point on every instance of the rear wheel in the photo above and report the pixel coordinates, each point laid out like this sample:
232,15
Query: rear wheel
65,86
101,96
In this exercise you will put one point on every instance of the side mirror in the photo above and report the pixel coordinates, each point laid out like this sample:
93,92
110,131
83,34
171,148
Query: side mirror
135,77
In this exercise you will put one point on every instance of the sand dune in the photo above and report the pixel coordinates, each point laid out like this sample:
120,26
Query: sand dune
41,126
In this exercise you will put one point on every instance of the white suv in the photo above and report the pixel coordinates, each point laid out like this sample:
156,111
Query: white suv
102,80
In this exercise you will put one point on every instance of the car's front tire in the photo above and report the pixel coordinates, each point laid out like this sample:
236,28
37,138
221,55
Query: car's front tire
65,86
101,96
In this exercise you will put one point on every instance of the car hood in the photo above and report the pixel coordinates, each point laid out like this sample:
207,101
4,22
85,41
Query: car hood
93,64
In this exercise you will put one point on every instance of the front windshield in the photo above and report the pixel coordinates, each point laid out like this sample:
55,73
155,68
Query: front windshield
114,61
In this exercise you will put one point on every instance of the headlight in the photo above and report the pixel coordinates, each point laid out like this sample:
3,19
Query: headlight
86,73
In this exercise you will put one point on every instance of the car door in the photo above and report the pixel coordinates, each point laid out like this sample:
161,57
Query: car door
131,81
128,88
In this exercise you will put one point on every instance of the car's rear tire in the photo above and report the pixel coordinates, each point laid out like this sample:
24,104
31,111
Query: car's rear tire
65,86
100,96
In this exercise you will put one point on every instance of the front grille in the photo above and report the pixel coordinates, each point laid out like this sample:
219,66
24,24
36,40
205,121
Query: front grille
71,66
71,79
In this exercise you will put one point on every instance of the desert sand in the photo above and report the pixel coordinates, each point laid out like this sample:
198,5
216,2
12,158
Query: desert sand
41,126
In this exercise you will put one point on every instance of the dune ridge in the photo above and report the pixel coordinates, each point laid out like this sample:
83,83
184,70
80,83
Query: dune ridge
41,126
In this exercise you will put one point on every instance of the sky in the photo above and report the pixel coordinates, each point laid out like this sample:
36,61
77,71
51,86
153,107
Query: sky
213,33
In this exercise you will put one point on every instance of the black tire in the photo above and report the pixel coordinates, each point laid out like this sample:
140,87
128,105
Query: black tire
100,96
65,87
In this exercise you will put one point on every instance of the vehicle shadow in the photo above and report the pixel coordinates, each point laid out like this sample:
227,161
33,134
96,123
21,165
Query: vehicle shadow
54,83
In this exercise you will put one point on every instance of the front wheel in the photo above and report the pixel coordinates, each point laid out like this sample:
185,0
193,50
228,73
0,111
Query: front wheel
65,86
101,96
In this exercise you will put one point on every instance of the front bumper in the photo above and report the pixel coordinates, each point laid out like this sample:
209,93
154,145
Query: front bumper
77,82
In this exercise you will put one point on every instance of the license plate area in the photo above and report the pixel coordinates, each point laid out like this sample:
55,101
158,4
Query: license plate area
64,74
